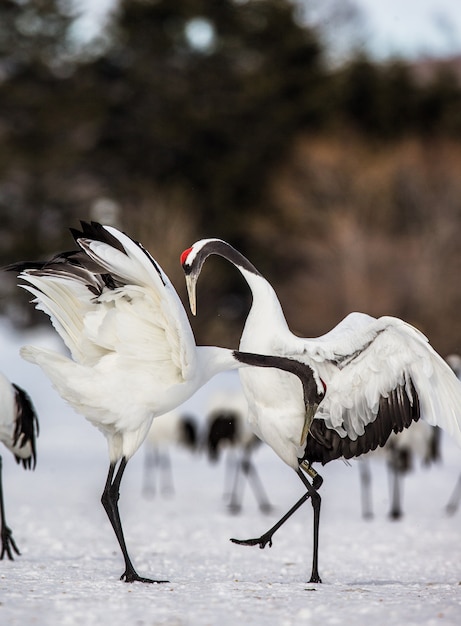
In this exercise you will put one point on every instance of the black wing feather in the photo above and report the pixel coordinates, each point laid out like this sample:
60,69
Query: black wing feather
96,232
395,413
27,428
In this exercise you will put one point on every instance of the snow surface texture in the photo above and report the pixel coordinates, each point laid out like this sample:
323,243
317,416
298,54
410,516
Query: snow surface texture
375,572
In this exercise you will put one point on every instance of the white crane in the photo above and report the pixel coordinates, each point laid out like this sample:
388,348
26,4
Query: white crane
377,376
227,428
18,432
173,429
418,442
132,351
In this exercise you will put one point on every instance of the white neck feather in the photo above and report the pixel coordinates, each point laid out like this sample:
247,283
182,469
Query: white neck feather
213,360
266,309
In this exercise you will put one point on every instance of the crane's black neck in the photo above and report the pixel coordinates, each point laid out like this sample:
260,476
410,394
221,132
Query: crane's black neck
222,248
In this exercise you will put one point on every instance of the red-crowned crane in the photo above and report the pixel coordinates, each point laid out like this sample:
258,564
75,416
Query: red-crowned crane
420,442
133,355
228,429
18,432
173,430
377,376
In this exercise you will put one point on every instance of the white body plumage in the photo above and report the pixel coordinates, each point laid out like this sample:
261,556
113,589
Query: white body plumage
8,418
132,351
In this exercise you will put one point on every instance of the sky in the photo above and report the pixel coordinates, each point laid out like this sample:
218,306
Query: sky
406,28
413,28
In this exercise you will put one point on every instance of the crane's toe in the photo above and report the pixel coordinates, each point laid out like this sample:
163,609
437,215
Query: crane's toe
315,578
8,544
131,577
259,541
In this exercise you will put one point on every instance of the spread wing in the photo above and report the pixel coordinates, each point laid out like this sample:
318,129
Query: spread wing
379,368
112,299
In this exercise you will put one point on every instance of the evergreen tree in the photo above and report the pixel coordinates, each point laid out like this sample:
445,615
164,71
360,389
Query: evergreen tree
212,115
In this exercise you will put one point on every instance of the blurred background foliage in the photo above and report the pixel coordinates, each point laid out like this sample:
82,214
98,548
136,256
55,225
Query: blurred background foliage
338,178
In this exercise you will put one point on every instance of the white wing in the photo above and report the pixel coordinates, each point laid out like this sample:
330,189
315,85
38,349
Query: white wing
137,315
364,359
67,298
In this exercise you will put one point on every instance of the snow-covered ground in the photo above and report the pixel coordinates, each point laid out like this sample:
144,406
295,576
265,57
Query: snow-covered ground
374,572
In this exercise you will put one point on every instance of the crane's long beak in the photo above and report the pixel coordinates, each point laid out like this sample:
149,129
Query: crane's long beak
191,281
311,410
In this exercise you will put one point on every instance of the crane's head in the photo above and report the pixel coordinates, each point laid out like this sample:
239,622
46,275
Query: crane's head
193,258
192,261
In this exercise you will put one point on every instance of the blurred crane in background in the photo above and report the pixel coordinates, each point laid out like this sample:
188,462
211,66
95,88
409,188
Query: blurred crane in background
418,442
169,431
227,431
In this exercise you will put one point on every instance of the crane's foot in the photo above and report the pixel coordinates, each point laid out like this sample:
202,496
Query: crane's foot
317,482
8,544
234,509
266,508
262,541
315,578
130,576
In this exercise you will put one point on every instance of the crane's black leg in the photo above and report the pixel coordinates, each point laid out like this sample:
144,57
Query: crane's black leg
236,496
453,502
245,467
231,474
109,501
316,502
150,462
165,466
252,475
8,544
395,480
365,484
266,538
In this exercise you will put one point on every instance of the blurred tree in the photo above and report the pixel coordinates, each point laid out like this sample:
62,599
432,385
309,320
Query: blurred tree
357,90
439,105
33,31
379,100
32,43
342,26
387,101
205,96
